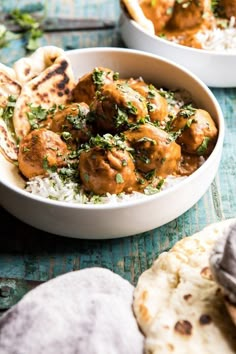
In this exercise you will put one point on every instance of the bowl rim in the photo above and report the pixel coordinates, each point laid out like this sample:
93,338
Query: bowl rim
203,52
148,198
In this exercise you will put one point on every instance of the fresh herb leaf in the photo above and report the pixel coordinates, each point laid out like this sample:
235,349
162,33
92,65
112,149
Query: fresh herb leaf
7,112
66,136
131,108
116,76
187,111
121,117
30,25
119,178
36,115
150,175
98,77
204,145
6,36
147,139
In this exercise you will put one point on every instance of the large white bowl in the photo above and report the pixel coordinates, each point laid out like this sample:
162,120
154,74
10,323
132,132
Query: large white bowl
132,217
213,68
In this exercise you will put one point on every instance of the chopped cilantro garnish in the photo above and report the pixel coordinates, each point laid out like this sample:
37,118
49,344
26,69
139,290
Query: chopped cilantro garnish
131,108
204,145
107,142
121,117
150,175
45,163
66,136
116,76
151,92
151,107
187,111
46,166
146,139
119,178
36,115
98,77
7,112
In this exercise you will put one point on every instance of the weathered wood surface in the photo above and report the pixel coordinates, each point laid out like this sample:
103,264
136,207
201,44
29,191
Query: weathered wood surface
29,256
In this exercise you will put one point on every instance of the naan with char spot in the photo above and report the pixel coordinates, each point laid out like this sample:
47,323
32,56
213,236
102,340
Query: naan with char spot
47,79
179,306
9,86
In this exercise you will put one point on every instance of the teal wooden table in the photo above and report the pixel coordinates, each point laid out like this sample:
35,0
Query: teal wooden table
29,256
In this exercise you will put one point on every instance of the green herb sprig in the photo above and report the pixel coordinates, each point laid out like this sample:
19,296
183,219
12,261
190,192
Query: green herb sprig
30,25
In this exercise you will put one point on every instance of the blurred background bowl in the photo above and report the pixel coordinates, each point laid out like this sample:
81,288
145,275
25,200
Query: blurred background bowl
133,216
215,69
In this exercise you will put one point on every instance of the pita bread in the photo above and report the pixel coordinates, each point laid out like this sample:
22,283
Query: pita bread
179,306
137,14
47,79
87,311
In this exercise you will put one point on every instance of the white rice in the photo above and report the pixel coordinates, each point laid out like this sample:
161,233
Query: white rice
53,187
219,40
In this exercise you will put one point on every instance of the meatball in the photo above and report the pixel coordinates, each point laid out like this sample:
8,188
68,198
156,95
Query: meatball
197,132
107,171
157,105
189,14
70,122
227,8
86,88
117,106
159,13
39,151
154,150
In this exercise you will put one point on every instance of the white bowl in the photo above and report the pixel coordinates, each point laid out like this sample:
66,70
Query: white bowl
213,68
134,216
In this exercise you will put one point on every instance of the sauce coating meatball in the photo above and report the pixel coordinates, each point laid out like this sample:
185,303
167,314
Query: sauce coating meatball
227,8
159,12
154,150
88,84
107,171
40,151
189,14
157,105
70,122
116,106
197,131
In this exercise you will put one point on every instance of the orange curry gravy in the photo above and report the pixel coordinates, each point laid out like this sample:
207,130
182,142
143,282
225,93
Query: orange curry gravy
180,22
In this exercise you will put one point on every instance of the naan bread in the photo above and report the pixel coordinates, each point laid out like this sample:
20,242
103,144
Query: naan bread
47,79
9,86
178,305
86,312
8,145
29,67
137,14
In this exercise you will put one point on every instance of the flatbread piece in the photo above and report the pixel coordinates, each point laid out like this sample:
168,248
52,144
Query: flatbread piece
178,305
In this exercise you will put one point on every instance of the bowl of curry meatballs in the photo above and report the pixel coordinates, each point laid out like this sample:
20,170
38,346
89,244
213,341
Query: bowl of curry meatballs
105,142
200,35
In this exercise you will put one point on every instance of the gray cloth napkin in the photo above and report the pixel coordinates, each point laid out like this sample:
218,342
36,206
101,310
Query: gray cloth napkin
81,312
223,262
